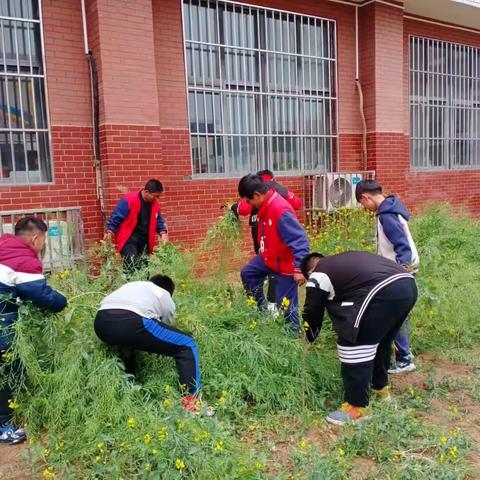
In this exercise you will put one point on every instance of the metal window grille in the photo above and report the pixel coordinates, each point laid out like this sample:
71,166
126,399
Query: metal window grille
64,245
444,105
24,134
261,89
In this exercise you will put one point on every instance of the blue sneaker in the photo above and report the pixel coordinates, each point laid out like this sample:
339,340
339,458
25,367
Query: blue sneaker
11,435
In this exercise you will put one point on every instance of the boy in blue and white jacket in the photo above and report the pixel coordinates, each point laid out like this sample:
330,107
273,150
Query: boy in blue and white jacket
21,279
394,241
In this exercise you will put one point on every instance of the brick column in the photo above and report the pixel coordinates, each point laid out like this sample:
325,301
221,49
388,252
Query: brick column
122,40
381,74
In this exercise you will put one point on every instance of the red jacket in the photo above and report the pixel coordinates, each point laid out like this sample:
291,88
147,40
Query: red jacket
283,242
124,220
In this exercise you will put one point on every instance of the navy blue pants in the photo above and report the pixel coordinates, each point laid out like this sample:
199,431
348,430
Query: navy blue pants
253,276
129,330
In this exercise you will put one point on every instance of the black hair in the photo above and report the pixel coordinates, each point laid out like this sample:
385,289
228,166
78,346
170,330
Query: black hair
163,281
305,265
29,226
251,184
154,186
367,186
261,173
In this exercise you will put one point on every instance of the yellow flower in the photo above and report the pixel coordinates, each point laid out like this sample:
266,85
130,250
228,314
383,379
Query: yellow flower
411,391
442,457
451,331
443,440
46,452
453,409
179,464
180,424
147,439
285,302
48,473
453,452
167,403
12,404
223,398
163,434
259,465
132,422
7,355
251,301
253,325
168,389
148,467
341,452
304,444
154,451
454,432
219,446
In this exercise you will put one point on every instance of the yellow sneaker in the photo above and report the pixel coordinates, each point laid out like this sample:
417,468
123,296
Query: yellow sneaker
384,394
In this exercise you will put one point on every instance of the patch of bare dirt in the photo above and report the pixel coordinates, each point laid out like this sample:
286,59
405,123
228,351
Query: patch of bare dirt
13,465
456,409
363,469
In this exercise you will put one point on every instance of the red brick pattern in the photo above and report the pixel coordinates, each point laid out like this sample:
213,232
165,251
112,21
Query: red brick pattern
74,184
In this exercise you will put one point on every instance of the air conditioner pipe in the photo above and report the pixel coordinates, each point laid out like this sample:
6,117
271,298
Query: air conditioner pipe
363,150
95,116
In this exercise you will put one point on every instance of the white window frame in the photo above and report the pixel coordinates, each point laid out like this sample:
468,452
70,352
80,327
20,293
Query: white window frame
243,76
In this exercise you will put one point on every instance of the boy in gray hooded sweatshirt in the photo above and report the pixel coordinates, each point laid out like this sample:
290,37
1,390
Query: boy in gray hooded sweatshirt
395,242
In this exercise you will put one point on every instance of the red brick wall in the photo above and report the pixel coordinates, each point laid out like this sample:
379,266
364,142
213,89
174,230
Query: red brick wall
74,181
70,117
144,132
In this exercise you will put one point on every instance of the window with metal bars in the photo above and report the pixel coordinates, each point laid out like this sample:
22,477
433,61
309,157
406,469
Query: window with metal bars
24,134
261,89
444,105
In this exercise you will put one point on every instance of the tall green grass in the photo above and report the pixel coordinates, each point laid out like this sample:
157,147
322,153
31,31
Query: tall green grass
88,419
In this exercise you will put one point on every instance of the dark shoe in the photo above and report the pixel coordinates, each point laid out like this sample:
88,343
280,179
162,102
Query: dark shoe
11,435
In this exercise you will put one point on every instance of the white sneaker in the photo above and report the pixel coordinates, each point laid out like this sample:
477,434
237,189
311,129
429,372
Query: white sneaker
402,367
273,309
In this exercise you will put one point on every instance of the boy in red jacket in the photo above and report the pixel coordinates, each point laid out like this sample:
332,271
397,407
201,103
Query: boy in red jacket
244,208
135,222
282,246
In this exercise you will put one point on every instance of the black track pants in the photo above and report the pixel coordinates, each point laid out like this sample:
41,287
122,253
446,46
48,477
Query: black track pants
365,363
129,330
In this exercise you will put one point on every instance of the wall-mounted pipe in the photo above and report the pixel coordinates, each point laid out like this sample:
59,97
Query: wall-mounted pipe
363,150
95,116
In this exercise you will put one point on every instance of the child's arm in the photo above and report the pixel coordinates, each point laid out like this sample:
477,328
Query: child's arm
292,233
118,215
34,287
313,310
161,225
294,201
396,234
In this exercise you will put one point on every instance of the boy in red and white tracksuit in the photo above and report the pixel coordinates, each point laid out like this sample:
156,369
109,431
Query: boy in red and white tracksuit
282,245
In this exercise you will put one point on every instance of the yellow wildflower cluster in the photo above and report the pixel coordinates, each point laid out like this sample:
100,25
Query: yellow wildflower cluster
163,434
179,464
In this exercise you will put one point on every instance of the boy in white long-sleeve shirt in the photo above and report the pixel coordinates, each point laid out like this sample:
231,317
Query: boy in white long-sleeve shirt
139,316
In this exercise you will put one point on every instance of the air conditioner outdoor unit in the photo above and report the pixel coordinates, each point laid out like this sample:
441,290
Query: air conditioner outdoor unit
332,191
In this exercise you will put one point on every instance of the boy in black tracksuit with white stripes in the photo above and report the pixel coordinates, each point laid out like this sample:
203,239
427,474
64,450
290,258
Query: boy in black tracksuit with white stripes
367,298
